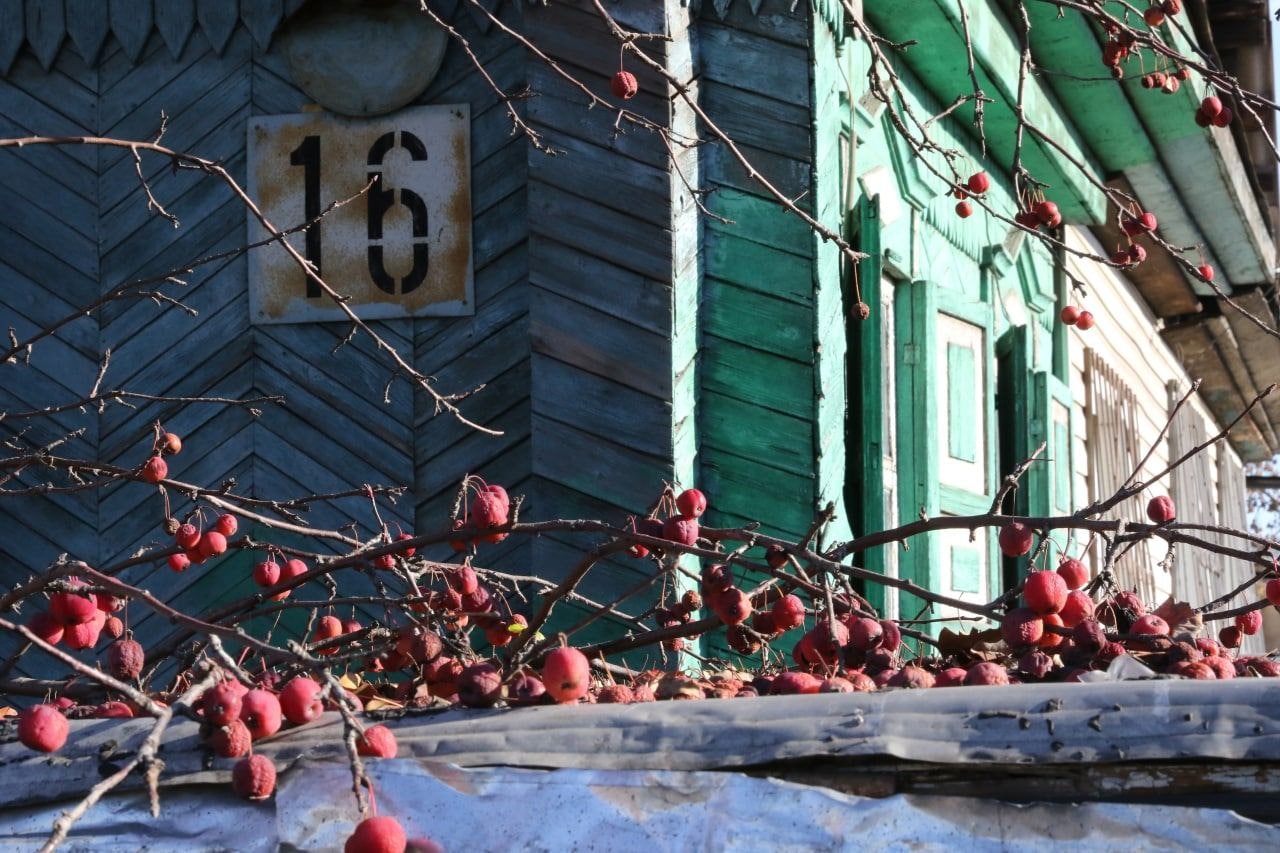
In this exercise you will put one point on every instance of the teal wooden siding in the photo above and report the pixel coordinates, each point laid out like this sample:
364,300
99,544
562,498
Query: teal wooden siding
89,230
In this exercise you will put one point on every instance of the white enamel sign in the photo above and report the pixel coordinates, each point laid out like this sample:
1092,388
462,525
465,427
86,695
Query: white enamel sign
402,249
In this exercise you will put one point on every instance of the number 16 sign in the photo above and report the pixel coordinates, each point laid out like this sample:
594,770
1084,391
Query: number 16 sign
400,249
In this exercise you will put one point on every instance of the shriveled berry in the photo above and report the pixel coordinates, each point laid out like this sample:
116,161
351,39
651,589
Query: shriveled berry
480,686
1150,624
231,741
912,677
1249,623
171,443
226,524
788,612
891,639
624,85
1074,572
125,658
1160,509
1045,592
1021,627
986,673
1078,607
1272,592
113,627
155,469
188,536
254,777
1015,538
526,689
680,530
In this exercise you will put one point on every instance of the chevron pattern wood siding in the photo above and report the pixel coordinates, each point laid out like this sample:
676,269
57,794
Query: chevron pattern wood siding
85,228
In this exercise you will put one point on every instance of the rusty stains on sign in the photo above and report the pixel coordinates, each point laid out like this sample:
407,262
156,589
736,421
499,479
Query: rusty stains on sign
402,249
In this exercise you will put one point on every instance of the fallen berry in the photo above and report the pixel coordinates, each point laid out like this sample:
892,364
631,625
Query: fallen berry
986,673
43,728
231,740
1150,624
377,742
254,777
794,683
865,633
380,834
260,712
566,673
912,677
301,700
892,637
1021,627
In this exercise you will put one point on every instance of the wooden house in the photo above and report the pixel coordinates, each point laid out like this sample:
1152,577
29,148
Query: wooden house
623,336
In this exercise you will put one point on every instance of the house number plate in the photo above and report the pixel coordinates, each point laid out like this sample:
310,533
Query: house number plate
402,249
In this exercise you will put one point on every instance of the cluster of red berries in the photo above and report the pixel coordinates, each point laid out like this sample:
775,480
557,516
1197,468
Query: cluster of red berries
977,185
1036,214
76,618
680,526
1169,83
1213,112
489,508
1122,43
1070,315
199,545
155,468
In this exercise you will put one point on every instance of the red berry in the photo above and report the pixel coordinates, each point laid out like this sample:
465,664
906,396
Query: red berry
84,635
624,85
1223,118
680,530
327,627
566,674
292,569
978,183
1085,321
212,543
1021,627
43,728
1150,624
865,633
462,580
221,702
254,777
1154,16
187,537
913,678
691,503
1249,623
46,627
1170,85
1148,221
171,443
1160,509
1136,255
1205,271
226,525
260,712
378,742
795,683
964,210
1201,119
1045,592
155,469
775,556
1050,639
892,637
125,659
1171,7
71,608
1210,107
985,673
1184,74
301,700
179,562
1047,213
408,552
1069,314
380,834
487,510
1078,608
479,686
1015,538
231,740
1074,572
266,573
1273,592
732,606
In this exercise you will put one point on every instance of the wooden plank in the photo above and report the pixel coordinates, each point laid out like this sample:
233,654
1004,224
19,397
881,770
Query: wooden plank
750,218
175,20
782,501
616,474
131,23
12,32
772,438
596,342
734,369
761,122
601,407
261,17
217,21
46,27
733,56
87,23
611,235
569,272
758,321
